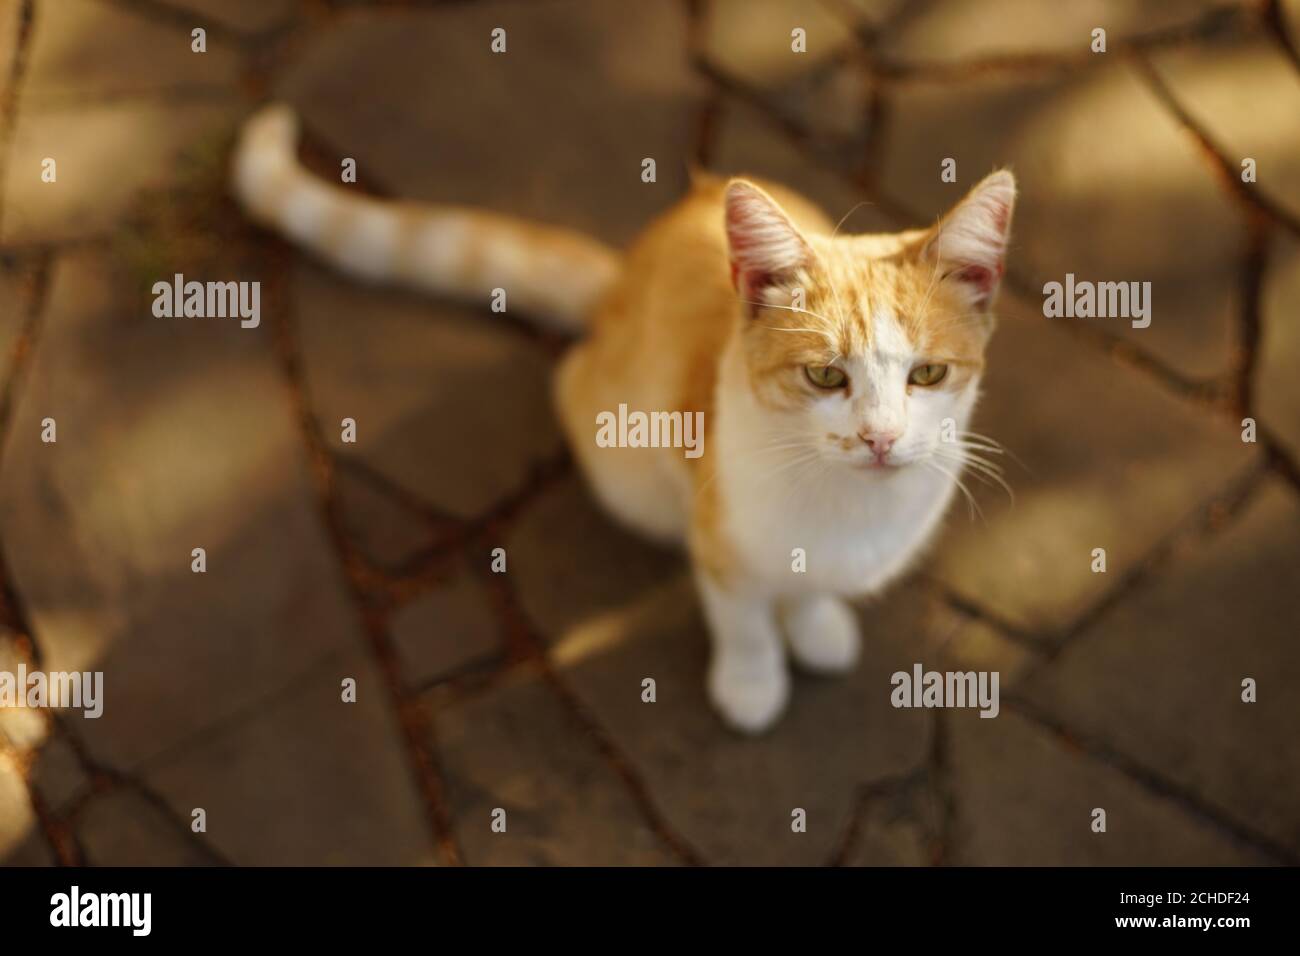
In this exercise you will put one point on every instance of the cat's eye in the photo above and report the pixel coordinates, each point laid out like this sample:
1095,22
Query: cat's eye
826,376
925,375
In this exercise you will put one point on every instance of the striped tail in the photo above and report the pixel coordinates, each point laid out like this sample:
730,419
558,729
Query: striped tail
549,273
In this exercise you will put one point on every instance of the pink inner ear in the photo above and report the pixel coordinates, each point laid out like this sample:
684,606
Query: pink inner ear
981,277
750,283
763,243
1001,213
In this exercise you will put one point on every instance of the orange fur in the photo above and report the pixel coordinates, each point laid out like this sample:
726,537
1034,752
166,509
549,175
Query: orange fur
657,339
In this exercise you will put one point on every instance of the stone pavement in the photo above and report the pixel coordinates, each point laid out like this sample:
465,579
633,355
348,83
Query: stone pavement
521,691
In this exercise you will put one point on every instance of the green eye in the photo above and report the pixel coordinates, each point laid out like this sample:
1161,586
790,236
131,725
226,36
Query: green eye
826,376
925,375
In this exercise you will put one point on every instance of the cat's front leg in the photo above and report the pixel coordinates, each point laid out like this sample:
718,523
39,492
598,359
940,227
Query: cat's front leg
823,633
748,681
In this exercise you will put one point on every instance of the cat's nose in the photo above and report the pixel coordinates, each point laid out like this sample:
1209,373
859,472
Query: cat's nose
878,442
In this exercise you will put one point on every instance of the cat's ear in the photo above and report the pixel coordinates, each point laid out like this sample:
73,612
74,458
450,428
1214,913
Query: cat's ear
764,245
969,244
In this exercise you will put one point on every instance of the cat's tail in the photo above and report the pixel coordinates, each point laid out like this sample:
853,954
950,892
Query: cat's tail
549,273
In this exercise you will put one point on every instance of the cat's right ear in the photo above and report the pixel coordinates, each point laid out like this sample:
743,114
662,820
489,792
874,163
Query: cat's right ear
764,246
969,245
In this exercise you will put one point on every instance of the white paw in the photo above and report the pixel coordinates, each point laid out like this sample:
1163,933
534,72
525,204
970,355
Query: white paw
750,696
823,635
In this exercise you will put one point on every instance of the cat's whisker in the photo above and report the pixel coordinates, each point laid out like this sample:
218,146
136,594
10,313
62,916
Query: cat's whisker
929,290
991,479
839,303
970,498
974,434
798,465
942,322
960,485
777,328
977,446
801,444
972,453
794,474
844,218
1001,449
976,466
979,468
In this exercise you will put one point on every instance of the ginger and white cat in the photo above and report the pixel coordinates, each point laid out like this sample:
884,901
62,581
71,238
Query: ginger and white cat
836,374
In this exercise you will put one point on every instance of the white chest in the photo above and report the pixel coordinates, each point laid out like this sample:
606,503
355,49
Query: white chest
847,535
807,525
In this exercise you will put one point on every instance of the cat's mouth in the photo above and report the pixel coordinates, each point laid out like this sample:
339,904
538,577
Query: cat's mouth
877,465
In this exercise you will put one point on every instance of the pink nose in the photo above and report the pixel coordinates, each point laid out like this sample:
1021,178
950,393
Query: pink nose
879,442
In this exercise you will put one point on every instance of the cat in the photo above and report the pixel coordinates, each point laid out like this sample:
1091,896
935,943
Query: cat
836,375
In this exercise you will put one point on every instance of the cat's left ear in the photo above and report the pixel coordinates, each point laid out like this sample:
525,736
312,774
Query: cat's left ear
969,244
765,247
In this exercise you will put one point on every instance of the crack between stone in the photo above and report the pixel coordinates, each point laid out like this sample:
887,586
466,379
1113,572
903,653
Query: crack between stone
470,680
524,643
159,804
1152,781
1208,520
1211,517
102,779
12,88
1280,460
55,832
426,567
1275,20
1228,172
266,703
971,608
865,796
372,610
13,612
932,772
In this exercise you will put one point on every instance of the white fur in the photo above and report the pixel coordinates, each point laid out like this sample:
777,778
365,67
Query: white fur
304,213
439,247
822,632
371,238
859,528
369,247
748,682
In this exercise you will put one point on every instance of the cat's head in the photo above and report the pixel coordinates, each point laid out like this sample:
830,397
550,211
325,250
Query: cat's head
868,350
